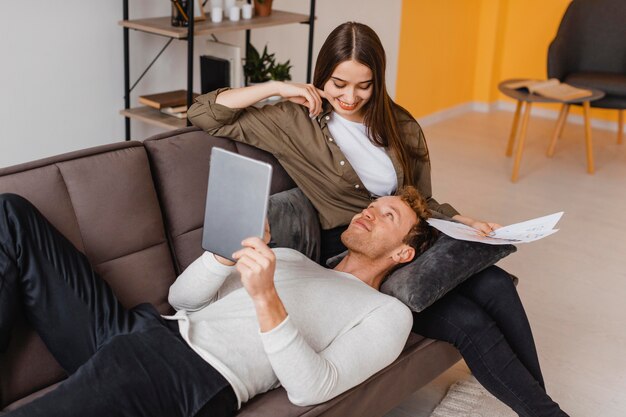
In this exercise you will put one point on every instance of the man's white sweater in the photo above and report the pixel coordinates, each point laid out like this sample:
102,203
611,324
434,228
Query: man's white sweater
339,331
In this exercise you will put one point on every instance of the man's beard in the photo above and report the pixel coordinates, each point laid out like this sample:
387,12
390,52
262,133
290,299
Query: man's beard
360,246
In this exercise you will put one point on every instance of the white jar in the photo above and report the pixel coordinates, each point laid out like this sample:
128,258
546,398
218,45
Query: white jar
233,14
216,14
246,11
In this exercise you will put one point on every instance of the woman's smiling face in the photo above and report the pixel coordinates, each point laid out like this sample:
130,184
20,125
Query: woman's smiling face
349,89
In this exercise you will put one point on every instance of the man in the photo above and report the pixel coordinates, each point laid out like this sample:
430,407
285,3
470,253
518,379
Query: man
275,318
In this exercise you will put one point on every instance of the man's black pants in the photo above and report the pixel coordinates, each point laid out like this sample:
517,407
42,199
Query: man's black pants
120,362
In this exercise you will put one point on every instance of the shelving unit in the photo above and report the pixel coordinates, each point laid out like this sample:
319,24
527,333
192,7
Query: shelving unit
161,26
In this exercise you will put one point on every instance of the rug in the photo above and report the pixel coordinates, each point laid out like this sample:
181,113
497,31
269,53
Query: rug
468,398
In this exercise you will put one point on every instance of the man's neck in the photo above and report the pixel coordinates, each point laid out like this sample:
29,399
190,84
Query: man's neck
370,271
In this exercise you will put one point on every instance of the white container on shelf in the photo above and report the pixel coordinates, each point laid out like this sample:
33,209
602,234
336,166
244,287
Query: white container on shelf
246,11
233,14
216,14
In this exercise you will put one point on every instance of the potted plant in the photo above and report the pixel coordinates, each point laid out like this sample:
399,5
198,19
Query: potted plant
262,8
262,67
257,66
281,72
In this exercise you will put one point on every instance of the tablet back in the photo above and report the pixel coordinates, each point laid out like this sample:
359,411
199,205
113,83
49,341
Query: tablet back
236,202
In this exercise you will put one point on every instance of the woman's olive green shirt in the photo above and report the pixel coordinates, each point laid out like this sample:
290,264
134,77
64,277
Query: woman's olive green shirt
307,151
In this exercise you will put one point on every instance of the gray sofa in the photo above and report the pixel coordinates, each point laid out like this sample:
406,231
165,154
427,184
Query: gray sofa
136,210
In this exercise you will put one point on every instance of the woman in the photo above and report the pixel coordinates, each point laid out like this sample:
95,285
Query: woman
344,141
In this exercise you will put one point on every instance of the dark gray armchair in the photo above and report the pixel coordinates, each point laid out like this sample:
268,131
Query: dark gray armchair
589,50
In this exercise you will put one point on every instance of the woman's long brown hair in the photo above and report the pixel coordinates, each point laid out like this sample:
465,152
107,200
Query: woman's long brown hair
358,42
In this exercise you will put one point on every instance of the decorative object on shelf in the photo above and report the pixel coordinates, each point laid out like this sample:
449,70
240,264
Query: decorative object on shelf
233,14
216,14
198,10
262,8
179,12
246,11
260,68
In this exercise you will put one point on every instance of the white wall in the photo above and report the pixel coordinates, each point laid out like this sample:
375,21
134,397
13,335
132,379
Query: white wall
61,78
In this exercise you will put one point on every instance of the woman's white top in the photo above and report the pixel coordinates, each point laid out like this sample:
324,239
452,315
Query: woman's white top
371,163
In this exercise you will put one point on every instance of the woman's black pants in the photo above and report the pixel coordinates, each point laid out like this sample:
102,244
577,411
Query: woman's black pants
120,362
485,320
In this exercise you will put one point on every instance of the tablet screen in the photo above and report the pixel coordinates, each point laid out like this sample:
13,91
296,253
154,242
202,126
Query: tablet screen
236,203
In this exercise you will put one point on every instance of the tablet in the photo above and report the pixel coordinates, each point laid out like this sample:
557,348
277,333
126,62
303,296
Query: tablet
236,201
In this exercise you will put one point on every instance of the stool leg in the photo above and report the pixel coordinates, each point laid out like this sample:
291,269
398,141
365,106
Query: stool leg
558,130
520,144
586,111
509,148
620,126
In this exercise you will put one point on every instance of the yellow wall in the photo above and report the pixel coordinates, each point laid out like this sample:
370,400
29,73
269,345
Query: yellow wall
457,51
437,57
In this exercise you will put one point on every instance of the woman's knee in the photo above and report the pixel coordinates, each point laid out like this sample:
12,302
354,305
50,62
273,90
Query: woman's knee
491,281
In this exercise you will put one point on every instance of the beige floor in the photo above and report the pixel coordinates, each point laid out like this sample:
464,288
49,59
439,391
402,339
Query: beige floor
573,283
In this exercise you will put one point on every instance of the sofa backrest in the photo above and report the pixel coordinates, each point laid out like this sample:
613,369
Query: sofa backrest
180,166
104,201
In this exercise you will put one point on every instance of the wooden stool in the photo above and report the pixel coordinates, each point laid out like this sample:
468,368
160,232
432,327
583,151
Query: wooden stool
528,99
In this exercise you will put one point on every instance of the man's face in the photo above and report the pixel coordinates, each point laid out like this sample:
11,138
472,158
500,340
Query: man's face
379,229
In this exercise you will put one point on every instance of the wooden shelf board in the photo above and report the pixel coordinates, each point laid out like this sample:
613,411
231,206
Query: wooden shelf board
154,117
162,25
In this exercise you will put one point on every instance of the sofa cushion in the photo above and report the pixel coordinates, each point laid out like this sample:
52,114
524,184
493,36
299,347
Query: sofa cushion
294,223
180,165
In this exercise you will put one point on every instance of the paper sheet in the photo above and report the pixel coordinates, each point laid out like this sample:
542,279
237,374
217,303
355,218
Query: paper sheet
524,232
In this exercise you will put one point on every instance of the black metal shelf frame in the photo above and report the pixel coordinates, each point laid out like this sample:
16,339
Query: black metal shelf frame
190,48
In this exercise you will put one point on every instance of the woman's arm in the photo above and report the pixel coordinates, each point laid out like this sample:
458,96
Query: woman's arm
482,226
239,98
304,94
268,128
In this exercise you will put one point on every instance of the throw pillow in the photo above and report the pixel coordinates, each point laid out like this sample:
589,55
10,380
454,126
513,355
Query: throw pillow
294,223
442,267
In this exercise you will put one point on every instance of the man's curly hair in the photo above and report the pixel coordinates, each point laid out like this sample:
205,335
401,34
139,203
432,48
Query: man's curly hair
422,235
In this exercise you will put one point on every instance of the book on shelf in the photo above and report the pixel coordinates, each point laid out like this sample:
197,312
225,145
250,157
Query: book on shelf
551,88
180,112
167,99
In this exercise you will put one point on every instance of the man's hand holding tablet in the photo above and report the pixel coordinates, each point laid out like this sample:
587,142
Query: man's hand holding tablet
266,238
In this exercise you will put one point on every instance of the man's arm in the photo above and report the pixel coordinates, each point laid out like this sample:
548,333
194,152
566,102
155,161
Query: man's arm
257,263
312,378
198,285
